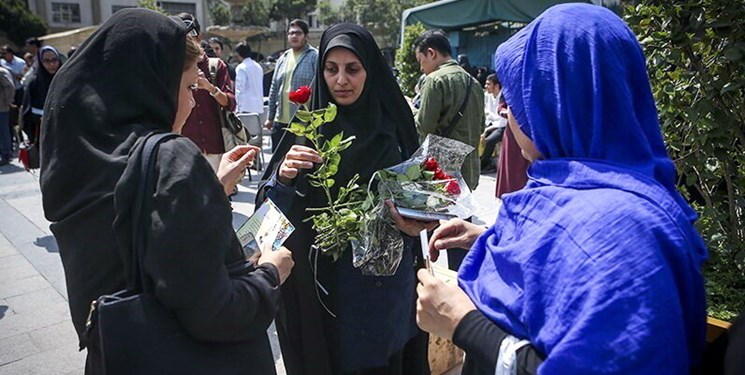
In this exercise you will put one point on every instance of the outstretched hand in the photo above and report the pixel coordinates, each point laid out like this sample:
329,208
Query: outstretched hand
232,165
454,233
299,157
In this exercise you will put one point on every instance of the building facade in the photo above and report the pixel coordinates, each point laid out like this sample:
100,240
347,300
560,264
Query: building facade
62,15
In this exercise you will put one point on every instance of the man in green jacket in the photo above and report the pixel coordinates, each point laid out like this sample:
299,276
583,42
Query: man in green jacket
442,96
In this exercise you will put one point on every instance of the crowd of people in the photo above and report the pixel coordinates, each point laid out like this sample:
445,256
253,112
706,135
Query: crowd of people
592,266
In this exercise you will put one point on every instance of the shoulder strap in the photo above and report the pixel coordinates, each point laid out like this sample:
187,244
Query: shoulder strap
142,202
454,121
213,69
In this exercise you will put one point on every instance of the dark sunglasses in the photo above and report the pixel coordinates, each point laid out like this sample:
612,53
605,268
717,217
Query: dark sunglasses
191,26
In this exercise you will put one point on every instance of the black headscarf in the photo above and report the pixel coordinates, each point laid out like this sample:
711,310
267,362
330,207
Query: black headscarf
95,111
38,87
380,119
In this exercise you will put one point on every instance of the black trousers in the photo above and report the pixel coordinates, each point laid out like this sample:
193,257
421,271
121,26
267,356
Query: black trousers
492,138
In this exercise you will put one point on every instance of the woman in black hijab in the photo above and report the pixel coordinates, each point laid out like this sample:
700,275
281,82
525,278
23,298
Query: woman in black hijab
48,61
350,323
134,76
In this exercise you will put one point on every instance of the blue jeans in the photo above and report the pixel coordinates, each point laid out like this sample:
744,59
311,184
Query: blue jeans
5,147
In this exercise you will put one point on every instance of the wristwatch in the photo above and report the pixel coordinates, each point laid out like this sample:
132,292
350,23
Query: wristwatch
213,93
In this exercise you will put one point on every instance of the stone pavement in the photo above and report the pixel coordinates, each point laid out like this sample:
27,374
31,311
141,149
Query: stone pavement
36,334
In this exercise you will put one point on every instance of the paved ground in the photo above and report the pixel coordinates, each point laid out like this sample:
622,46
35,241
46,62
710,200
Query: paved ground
36,334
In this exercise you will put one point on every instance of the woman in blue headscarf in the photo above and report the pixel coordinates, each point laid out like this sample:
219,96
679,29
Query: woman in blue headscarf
595,266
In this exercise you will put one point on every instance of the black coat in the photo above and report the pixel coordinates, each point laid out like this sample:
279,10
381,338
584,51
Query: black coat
122,85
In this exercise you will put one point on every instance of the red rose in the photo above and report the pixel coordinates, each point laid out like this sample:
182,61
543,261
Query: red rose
440,175
301,95
452,188
430,164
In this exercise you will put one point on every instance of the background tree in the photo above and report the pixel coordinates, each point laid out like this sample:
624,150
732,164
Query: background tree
381,17
408,67
254,13
220,14
696,57
152,5
19,23
289,9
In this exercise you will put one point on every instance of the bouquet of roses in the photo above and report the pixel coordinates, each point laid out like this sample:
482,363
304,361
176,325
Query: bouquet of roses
428,186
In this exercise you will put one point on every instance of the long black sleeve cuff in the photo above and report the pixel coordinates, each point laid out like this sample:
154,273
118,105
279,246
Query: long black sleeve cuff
480,338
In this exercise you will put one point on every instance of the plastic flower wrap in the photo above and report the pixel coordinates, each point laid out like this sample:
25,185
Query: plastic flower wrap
428,186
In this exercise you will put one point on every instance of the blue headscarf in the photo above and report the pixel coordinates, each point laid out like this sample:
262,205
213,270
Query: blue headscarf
596,261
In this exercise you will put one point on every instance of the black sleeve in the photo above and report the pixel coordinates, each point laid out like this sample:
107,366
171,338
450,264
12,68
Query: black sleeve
480,338
194,258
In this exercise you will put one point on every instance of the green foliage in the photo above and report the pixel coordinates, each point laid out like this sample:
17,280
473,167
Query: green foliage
339,222
696,58
289,9
254,13
220,14
18,22
150,4
380,17
408,67
327,15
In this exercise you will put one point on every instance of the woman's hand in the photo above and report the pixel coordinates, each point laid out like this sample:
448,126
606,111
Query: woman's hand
282,259
409,226
232,165
299,157
440,307
454,233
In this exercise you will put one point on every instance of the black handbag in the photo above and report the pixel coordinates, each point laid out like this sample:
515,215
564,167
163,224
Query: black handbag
133,332
228,119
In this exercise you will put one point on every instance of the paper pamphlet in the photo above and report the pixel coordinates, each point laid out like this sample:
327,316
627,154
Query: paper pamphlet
266,230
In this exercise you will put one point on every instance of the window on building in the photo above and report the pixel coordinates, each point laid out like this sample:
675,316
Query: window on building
116,8
313,21
176,8
65,13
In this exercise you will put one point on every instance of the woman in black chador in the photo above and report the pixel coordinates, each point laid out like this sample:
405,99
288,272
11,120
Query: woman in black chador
134,76
350,323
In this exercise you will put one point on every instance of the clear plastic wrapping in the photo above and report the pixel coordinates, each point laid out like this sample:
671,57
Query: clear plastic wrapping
428,186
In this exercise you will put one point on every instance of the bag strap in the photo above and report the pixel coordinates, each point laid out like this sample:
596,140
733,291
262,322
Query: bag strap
454,121
140,211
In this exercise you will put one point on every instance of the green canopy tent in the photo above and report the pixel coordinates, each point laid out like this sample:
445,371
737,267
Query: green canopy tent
477,27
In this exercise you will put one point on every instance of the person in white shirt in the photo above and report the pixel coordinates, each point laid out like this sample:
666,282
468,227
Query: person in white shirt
495,122
249,80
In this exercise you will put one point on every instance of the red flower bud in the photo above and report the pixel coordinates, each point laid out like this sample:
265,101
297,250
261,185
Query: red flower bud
440,175
301,95
430,164
452,187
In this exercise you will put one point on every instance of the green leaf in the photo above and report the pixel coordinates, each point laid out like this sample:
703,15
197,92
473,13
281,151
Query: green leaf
413,172
335,141
317,121
303,115
402,178
330,114
330,183
297,129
